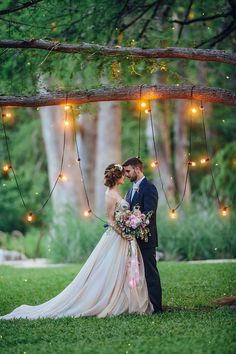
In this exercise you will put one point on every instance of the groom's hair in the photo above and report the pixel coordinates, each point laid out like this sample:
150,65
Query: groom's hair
134,162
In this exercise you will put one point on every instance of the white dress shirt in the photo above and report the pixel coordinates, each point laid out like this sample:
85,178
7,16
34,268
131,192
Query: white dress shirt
136,187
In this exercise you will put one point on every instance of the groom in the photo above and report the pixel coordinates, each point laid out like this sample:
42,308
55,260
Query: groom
144,193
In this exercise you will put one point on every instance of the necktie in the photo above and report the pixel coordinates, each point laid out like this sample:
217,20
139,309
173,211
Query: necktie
133,191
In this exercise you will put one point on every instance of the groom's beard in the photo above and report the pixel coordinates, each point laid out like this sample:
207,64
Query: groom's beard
133,178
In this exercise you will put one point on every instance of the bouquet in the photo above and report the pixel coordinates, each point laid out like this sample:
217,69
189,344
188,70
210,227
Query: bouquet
133,223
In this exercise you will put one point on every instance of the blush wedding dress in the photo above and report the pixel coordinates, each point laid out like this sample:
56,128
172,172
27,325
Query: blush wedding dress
101,288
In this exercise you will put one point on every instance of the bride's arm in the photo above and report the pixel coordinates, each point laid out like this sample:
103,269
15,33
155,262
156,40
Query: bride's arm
111,203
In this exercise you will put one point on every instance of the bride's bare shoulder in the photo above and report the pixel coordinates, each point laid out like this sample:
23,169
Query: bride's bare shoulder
112,196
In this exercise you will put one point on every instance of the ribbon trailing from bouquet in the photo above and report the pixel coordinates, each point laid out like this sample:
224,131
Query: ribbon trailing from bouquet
133,266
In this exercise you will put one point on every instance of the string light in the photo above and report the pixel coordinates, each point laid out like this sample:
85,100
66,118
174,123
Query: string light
224,211
87,212
30,217
192,163
143,104
173,214
63,177
204,160
66,122
8,115
194,110
201,108
154,164
6,168
66,107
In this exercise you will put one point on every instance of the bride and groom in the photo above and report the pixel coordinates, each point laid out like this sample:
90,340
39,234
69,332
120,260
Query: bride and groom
102,286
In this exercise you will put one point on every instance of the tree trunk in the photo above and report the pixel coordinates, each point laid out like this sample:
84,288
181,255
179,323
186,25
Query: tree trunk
108,147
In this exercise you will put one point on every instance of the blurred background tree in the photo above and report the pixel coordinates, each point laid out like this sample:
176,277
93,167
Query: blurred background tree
108,131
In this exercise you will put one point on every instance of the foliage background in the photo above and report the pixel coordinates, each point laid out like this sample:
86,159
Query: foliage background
199,227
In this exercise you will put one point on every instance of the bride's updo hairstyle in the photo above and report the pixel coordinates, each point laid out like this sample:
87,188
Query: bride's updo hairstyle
112,173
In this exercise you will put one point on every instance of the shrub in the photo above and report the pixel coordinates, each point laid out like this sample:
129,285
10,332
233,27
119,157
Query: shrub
199,232
73,238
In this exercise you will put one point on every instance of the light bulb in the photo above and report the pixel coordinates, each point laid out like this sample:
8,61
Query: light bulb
66,122
6,168
154,164
30,217
8,115
66,107
87,212
143,104
173,214
63,177
224,211
192,163
194,110
204,160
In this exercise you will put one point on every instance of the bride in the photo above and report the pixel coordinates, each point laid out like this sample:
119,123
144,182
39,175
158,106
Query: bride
102,287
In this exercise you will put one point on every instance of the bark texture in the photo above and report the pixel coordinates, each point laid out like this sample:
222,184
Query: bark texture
149,92
152,53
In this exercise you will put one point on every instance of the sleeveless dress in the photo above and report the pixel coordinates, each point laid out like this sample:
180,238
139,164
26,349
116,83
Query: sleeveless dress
101,288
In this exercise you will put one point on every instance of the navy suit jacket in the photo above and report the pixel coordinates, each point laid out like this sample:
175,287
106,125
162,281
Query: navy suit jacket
147,198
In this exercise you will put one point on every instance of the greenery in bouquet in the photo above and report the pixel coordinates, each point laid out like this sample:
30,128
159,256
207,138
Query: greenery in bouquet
133,223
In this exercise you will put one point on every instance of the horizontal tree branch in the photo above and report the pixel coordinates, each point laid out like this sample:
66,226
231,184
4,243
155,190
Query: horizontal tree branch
148,92
132,53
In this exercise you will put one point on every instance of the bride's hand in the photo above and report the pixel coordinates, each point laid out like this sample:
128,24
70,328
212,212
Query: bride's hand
128,237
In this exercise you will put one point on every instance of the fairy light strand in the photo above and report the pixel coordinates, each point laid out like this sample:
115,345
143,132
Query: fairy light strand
208,155
15,176
10,161
90,210
159,169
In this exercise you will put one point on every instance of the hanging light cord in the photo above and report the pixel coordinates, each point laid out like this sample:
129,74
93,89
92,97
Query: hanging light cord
90,210
208,155
139,122
10,161
15,176
156,158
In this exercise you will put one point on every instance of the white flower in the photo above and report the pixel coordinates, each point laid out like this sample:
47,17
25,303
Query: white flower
119,166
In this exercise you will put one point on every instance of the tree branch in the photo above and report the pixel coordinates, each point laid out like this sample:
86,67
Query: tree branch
149,92
201,19
220,36
158,4
185,19
139,53
18,8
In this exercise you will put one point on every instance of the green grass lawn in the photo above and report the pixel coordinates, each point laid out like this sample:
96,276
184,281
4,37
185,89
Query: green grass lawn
192,324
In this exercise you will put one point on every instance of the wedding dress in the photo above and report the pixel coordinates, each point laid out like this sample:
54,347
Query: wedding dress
101,288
